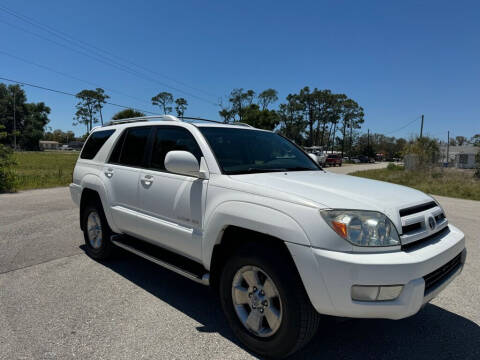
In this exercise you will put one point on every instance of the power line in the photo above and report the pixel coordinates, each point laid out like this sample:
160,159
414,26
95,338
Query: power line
403,127
65,36
70,76
71,94
105,60
69,38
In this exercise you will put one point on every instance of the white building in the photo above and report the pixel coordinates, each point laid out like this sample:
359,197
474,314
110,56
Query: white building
459,156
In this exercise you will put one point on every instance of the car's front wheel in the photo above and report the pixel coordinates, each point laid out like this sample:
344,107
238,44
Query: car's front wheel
265,302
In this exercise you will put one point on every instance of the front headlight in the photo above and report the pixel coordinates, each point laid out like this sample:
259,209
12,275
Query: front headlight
362,228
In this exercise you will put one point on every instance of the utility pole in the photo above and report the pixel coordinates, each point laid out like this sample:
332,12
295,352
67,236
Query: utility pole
421,128
368,142
14,124
448,145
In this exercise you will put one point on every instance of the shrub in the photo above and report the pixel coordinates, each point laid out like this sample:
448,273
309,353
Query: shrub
424,150
7,175
477,165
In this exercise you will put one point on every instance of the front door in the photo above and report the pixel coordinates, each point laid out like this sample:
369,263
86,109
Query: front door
173,204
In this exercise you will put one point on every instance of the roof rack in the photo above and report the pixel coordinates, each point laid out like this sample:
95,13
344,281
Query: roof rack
171,118
238,123
143,118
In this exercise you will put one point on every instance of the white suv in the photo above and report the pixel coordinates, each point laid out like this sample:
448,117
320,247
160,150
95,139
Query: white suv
249,213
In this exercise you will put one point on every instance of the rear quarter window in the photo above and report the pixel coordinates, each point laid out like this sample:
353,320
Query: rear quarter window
95,143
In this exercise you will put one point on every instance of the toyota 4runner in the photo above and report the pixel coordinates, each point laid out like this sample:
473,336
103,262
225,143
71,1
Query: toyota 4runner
249,213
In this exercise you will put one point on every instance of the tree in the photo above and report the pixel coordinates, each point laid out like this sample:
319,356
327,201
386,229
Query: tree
475,140
306,100
127,113
7,176
461,140
266,98
60,136
292,123
227,115
262,119
101,99
30,118
89,105
87,109
352,115
426,149
163,100
240,100
181,106
36,119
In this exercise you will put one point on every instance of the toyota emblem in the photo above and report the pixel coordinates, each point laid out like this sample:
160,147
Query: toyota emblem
431,223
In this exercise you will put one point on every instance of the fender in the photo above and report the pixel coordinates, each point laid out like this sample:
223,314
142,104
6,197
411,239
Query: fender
93,182
250,216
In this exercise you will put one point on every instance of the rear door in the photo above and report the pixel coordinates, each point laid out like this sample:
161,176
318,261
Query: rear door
122,173
173,204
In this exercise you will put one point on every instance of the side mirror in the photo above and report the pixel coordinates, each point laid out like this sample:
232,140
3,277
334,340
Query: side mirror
182,162
314,157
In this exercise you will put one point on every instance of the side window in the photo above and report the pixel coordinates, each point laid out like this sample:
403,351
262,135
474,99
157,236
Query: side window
134,146
172,138
95,143
117,150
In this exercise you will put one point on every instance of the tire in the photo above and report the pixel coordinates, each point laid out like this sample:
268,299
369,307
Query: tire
296,321
98,247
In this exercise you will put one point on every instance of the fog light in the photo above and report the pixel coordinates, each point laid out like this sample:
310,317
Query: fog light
376,293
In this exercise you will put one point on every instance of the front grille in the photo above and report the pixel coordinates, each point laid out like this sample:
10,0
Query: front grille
417,208
410,228
417,225
435,277
416,244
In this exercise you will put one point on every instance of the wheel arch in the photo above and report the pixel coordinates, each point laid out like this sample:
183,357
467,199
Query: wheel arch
94,190
233,237
249,216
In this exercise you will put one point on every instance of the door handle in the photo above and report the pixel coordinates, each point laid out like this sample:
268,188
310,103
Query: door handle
147,180
109,173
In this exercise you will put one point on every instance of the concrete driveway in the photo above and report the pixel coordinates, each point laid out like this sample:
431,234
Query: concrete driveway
57,303
349,168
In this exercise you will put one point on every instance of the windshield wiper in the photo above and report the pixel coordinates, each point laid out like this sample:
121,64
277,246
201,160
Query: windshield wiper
265,170
255,170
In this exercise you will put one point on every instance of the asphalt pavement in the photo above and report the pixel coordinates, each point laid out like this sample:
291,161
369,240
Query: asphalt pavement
57,303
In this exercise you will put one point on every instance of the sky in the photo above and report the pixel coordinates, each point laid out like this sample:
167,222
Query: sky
397,59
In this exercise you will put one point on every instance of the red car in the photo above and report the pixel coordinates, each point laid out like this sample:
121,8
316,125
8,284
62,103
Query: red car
334,160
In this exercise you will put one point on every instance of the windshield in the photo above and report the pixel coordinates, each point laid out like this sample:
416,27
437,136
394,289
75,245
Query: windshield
242,151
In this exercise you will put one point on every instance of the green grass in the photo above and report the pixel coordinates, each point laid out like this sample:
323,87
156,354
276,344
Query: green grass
36,170
444,182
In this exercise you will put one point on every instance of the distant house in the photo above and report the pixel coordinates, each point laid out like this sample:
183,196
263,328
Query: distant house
465,161
460,156
77,145
48,145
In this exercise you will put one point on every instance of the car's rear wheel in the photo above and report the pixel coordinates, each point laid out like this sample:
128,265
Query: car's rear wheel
265,303
96,232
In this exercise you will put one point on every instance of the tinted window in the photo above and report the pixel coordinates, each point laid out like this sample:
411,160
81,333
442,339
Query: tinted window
117,150
172,138
94,143
241,151
134,146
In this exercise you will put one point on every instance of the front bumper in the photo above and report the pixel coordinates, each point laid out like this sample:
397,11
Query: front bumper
75,193
329,275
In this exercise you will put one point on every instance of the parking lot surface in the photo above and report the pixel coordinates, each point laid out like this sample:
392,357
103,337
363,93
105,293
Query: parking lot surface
57,303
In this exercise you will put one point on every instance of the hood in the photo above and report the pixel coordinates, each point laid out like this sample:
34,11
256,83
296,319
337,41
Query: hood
337,191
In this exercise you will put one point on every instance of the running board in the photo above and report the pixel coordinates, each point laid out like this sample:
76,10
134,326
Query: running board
169,260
